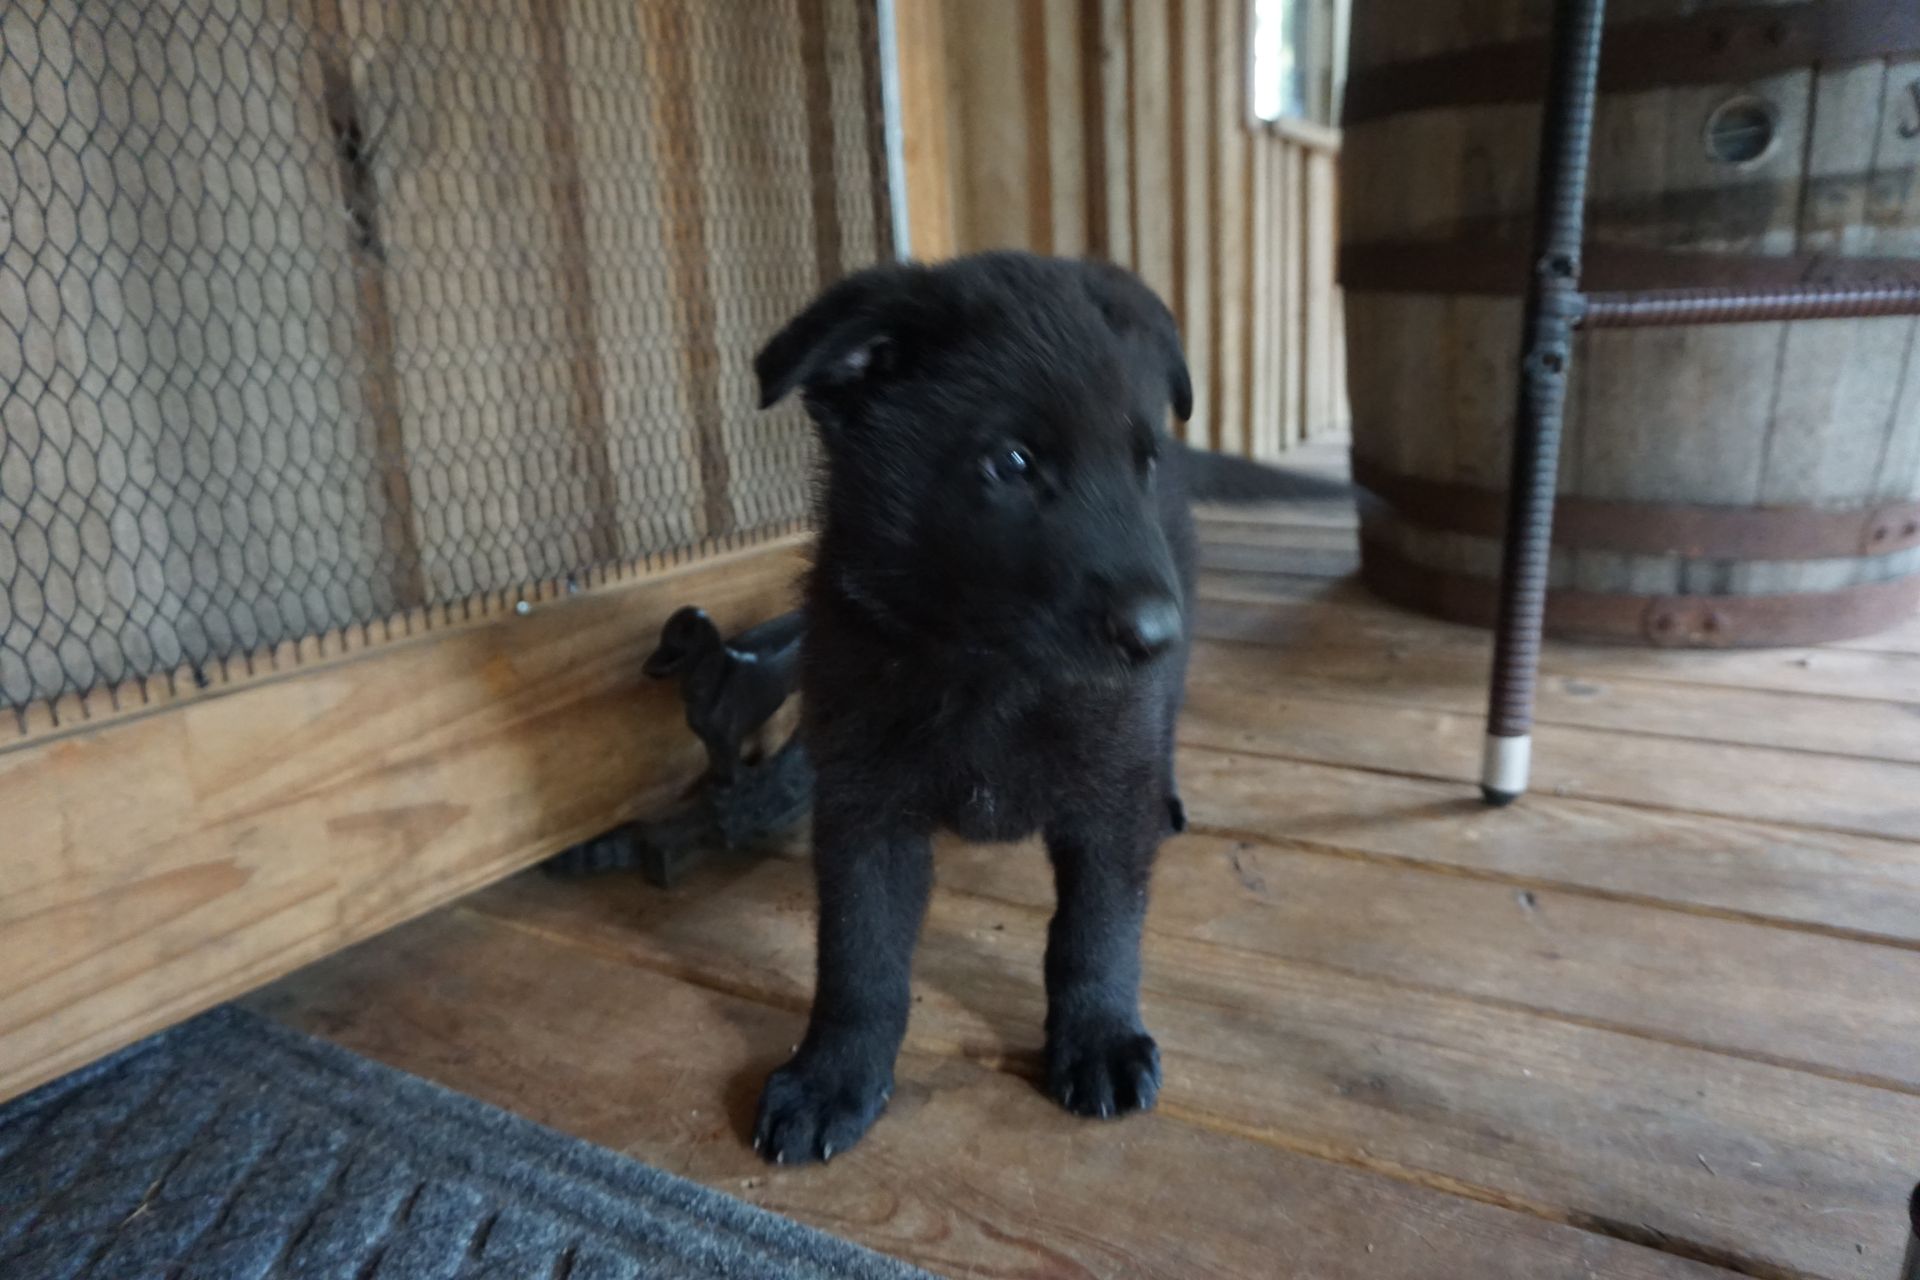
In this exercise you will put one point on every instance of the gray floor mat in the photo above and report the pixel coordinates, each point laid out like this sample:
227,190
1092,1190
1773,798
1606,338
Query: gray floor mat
231,1148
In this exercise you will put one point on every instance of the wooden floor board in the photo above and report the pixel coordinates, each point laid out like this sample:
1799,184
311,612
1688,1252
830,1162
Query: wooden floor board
1575,1121
1225,522
1334,561
971,1174
1324,653
1838,1006
1835,1006
1833,882
1862,796
1296,534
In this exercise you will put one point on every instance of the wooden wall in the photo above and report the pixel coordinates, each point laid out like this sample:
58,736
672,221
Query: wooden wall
1122,128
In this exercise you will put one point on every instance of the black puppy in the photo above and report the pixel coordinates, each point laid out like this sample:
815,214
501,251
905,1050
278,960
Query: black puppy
996,645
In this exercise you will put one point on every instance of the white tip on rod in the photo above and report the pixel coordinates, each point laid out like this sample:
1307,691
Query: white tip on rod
1504,767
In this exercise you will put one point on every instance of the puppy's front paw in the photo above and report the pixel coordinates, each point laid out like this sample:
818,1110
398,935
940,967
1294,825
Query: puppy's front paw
813,1111
1103,1068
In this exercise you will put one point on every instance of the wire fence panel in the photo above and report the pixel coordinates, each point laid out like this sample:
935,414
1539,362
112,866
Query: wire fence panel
317,311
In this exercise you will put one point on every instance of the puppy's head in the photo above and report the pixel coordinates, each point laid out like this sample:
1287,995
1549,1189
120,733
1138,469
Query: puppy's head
993,430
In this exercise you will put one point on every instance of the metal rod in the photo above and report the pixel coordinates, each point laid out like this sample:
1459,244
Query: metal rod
1553,308
1728,306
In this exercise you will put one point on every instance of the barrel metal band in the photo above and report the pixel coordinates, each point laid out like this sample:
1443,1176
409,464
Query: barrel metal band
1714,622
1714,47
1694,531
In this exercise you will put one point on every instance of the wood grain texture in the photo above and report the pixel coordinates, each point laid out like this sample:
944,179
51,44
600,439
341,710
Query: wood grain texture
1828,882
994,165
1122,128
1296,369
1233,251
1690,1029
1282,542
1151,122
1196,158
1867,797
1893,226
1322,372
1066,136
1830,1005
253,832
1497,1103
1109,126
1354,653
1333,563
972,1173
926,128
1037,86
1266,297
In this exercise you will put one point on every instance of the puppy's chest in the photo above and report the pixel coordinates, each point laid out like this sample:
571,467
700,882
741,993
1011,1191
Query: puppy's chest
996,764
1005,783
991,805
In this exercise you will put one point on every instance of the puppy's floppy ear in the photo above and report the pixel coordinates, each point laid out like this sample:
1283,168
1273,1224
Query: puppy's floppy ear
1136,311
842,338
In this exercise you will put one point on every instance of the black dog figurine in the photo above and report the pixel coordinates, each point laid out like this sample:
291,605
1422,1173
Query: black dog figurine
730,688
996,644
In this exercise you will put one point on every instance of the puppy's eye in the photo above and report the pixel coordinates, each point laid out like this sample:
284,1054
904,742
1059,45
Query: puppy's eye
1007,464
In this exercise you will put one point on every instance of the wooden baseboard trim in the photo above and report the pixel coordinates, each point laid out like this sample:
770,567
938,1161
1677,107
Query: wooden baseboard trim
162,859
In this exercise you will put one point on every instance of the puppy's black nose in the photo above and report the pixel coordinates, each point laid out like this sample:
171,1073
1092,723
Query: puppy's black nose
1144,627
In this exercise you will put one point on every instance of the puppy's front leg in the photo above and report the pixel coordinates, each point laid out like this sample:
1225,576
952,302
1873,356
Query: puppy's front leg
1100,1060
873,889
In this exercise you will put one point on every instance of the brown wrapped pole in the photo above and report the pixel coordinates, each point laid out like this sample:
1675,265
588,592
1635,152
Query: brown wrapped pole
1553,309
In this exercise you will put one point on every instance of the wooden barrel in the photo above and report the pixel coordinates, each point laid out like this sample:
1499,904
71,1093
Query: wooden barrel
1741,484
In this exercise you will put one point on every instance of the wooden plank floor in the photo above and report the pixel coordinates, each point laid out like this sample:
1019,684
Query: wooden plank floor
1662,1019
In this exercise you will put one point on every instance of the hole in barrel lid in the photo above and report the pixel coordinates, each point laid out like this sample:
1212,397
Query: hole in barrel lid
1741,130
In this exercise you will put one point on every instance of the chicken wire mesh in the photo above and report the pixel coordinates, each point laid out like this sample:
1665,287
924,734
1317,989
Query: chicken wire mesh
317,311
